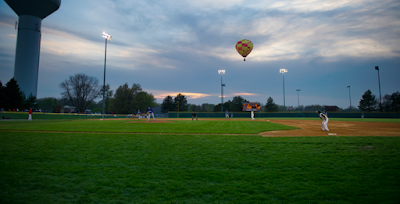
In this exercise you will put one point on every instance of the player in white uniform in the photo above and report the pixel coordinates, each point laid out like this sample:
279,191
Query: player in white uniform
226,114
252,115
150,113
325,119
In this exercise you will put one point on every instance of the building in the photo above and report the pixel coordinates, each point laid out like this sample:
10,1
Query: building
332,108
63,109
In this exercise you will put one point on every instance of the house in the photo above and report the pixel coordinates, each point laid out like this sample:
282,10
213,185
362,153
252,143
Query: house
64,109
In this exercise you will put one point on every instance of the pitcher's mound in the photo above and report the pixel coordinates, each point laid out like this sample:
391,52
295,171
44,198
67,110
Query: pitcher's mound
151,121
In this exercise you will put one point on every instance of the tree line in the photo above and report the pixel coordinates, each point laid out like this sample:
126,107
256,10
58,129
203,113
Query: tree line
13,99
80,91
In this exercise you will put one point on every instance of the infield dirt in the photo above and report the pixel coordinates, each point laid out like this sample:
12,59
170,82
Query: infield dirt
341,128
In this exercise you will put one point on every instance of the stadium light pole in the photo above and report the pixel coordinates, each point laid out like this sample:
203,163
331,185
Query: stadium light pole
222,93
349,97
298,98
283,75
107,37
380,97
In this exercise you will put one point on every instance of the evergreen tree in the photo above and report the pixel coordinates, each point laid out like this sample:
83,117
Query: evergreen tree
271,106
15,97
182,101
368,102
31,102
3,97
168,104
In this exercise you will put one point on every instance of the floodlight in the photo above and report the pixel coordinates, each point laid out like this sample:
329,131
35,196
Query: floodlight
282,70
107,36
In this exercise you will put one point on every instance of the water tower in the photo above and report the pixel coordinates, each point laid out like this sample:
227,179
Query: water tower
27,54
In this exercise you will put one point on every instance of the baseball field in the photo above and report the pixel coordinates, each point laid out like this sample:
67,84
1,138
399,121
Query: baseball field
268,160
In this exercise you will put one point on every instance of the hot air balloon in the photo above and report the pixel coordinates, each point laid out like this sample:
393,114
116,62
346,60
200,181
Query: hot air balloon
244,47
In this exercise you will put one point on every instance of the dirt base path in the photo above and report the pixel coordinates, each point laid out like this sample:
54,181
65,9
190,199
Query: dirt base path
336,128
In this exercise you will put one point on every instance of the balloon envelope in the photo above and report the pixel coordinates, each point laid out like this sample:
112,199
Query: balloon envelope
244,47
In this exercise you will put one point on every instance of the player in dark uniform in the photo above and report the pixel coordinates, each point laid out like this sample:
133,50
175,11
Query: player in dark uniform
194,115
150,113
138,113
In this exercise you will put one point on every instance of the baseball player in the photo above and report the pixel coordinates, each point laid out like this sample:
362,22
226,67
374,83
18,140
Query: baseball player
138,113
150,113
226,114
252,115
30,114
325,119
194,115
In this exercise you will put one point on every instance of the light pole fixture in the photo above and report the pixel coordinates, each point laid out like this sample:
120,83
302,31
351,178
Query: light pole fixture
380,97
349,97
298,100
107,37
283,75
221,72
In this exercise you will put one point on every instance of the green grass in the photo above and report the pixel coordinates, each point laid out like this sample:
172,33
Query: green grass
144,168
190,167
183,126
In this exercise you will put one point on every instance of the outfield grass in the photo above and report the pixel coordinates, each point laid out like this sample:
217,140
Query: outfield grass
145,168
190,167
180,126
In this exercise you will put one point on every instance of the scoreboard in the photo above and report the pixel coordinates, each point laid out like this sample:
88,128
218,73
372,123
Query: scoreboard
251,106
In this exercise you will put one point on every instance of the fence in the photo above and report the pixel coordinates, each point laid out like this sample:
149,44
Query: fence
283,115
68,116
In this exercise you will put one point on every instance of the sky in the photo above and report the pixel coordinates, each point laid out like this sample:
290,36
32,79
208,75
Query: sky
178,46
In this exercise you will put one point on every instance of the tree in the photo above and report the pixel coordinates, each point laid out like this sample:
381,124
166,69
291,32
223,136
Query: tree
387,103
46,104
123,99
108,95
237,103
31,102
300,108
225,106
396,101
391,102
3,97
271,106
168,104
368,102
182,101
81,90
128,100
205,107
143,100
15,97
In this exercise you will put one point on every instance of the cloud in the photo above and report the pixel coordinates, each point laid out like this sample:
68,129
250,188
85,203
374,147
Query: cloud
314,5
159,94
